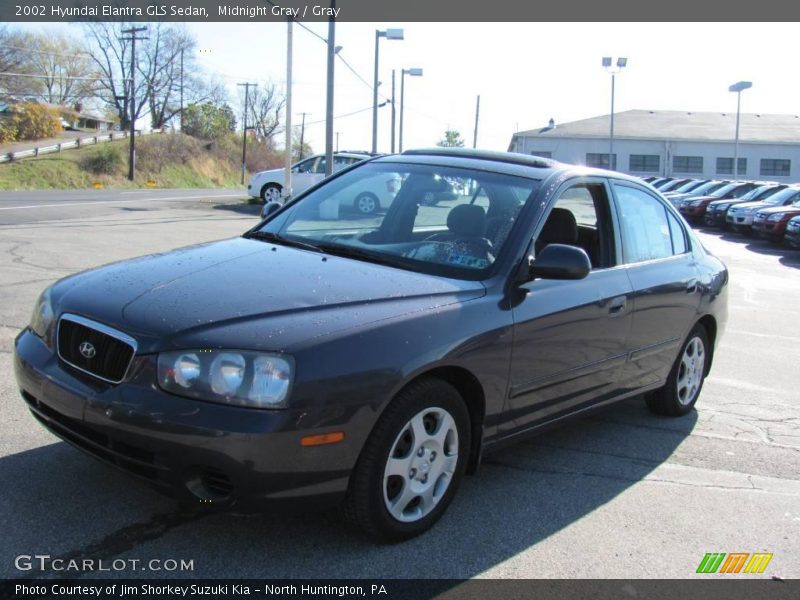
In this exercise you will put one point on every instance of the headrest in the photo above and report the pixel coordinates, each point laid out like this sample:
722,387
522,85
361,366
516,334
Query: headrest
467,220
560,228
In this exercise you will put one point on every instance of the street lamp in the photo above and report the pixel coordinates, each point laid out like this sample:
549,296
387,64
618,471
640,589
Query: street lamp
403,73
738,87
389,34
607,64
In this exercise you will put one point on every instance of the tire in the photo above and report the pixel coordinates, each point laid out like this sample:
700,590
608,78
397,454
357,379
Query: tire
392,507
366,203
270,192
685,380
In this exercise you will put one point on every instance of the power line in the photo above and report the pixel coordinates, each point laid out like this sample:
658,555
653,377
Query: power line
63,77
46,52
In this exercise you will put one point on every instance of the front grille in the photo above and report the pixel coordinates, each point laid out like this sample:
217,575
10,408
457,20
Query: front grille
95,348
137,461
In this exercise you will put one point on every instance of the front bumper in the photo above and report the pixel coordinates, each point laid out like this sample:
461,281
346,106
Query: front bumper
769,230
197,452
739,221
792,236
693,213
714,219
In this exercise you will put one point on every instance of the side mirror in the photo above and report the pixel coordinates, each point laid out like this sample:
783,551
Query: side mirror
269,208
560,261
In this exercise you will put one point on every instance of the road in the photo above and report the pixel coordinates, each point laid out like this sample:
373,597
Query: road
620,494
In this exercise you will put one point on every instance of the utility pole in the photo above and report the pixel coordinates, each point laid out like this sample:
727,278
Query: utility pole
246,87
287,161
132,144
181,89
477,114
302,133
329,96
393,111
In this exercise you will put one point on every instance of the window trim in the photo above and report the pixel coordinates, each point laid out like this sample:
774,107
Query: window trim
669,209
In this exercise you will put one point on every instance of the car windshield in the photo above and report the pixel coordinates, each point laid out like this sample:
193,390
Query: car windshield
433,219
688,187
758,193
780,197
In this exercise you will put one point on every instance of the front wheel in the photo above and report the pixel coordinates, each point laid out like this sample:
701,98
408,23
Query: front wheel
271,192
412,463
366,203
686,378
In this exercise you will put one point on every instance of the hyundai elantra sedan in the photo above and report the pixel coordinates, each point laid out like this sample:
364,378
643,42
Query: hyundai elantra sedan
327,357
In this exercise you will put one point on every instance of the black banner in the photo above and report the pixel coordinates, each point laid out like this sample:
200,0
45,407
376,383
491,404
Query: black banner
395,10
718,588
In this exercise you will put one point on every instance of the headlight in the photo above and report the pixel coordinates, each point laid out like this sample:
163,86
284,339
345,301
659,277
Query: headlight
236,377
776,217
43,317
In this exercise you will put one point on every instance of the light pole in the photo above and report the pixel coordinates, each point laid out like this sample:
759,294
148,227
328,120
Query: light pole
621,64
389,34
738,87
403,73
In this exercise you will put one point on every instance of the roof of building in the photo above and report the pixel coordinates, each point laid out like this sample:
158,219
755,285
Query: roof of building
678,125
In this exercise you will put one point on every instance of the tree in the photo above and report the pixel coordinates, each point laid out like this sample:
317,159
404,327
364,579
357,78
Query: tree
31,121
63,68
265,105
208,121
451,139
111,52
307,149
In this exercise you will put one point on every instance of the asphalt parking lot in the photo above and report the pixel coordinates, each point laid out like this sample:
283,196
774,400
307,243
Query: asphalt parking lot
621,494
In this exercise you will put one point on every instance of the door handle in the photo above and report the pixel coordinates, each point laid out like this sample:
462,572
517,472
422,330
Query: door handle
617,305
691,286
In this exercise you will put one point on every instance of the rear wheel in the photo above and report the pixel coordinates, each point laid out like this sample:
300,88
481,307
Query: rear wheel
686,378
412,463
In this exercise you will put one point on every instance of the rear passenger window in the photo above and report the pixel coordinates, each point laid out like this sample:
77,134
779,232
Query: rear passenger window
646,232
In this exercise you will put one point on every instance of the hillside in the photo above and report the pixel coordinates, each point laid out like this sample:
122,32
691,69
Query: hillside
165,161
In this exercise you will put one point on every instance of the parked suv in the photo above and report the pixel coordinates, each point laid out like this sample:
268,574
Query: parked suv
268,185
740,216
770,223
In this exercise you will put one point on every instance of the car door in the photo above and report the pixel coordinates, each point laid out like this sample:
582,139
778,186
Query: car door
664,276
304,174
570,337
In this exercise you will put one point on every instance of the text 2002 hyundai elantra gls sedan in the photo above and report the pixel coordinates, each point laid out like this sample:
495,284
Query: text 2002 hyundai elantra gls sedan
370,360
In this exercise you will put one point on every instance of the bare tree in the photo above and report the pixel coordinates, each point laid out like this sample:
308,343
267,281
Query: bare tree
265,111
13,59
63,68
111,53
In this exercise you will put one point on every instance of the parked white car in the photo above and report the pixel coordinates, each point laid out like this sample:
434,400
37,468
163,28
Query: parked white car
268,185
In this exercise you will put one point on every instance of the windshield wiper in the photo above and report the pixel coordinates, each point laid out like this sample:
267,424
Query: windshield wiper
269,236
357,253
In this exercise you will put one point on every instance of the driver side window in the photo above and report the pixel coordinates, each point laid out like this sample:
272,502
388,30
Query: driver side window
581,217
305,166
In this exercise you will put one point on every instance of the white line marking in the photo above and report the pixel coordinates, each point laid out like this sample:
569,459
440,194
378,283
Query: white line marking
116,201
791,338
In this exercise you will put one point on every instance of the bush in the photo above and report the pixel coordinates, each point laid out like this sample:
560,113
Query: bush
156,151
105,160
31,121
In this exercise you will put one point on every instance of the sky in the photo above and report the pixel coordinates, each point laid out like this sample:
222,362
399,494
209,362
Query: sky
525,73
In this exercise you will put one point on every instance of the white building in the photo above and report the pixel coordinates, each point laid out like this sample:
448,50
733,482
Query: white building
674,143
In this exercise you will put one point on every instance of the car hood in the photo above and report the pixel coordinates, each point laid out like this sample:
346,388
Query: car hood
273,296
780,209
755,205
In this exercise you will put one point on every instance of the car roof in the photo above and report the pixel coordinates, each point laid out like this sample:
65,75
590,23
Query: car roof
511,163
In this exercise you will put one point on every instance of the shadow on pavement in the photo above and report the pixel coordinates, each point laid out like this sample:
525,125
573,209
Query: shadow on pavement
66,504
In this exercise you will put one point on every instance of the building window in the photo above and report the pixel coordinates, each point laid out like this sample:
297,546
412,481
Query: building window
645,163
725,166
775,167
687,164
542,154
600,160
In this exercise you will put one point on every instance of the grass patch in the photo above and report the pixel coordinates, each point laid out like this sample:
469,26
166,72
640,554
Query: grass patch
169,160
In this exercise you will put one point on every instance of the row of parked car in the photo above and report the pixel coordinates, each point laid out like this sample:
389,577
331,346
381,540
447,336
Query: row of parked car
766,209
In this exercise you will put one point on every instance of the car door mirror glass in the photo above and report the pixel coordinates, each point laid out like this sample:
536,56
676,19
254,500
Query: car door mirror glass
560,261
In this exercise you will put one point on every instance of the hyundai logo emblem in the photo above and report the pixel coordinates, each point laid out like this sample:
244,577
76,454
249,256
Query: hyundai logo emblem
87,349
